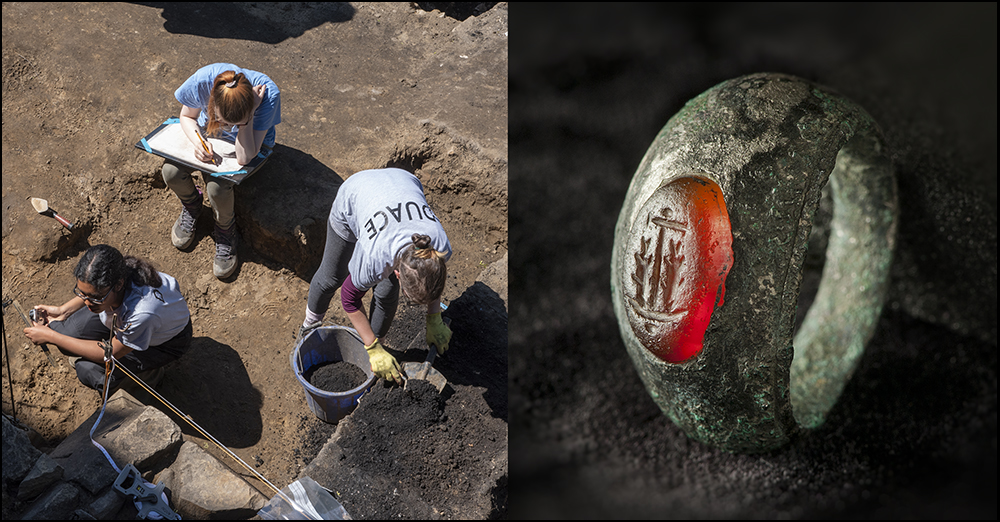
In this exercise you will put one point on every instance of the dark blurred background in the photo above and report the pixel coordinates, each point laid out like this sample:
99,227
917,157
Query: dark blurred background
914,434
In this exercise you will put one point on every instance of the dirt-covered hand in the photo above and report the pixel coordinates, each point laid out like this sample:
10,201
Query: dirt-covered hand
47,313
38,334
438,333
383,364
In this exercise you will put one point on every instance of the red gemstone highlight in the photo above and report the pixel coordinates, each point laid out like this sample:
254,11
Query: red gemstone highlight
679,253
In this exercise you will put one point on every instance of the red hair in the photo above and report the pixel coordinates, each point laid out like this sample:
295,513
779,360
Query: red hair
232,95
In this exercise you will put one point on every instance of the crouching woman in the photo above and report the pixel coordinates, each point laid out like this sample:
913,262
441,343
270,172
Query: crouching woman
144,308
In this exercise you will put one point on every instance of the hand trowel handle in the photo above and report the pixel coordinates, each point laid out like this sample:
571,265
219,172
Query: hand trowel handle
60,219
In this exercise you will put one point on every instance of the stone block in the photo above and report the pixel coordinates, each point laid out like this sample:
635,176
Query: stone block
143,439
19,455
57,504
45,473
87,466
203,488
105,506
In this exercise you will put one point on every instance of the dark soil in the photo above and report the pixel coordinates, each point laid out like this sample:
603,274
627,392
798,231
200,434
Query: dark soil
415,453
338,376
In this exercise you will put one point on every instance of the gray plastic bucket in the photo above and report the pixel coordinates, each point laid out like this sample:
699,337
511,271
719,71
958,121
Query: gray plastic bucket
331,344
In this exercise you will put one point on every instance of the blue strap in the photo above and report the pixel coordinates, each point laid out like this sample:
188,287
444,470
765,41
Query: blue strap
145,145
172,120
221,174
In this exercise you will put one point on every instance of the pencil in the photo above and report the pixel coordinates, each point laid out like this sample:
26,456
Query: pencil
203,144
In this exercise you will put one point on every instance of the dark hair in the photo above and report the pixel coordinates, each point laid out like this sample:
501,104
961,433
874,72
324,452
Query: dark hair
103,266
234,103
422,270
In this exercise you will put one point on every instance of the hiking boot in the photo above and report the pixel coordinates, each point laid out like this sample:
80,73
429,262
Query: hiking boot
182,233
225,251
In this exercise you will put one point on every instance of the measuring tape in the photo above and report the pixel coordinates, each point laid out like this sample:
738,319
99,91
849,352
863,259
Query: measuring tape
129,481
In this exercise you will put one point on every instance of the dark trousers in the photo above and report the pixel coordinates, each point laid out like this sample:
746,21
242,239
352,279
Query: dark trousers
86,325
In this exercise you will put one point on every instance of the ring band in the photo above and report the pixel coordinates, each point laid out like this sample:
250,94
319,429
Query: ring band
709,252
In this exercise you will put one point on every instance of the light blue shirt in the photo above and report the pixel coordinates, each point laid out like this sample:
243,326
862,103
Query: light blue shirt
196,90
150,316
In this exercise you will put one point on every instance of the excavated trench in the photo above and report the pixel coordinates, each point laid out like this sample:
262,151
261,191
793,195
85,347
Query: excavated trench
442,116
410,453
415,453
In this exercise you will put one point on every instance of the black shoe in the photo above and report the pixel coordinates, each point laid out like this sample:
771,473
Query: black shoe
151,377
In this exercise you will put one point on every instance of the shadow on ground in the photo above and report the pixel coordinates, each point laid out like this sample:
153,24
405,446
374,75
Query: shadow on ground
212,370
283,209
269,23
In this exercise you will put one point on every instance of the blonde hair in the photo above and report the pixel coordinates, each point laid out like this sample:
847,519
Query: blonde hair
232,95
422,270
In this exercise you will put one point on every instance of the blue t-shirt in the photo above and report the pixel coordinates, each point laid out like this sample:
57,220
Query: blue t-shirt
196,90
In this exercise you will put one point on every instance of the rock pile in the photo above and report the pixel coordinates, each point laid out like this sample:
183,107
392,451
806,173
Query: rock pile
76,481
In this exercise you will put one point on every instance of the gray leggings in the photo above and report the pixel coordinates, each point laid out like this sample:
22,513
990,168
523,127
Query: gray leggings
333,271
220,191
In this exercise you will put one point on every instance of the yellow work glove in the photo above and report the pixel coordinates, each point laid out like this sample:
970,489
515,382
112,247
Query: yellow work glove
383,364
438,333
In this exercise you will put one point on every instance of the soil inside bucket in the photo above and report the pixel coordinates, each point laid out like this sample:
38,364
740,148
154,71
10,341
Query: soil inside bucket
338,376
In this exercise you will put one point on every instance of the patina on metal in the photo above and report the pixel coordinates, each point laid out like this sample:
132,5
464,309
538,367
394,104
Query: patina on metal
769,142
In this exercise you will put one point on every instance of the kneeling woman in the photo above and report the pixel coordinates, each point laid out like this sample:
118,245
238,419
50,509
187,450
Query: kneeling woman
144,308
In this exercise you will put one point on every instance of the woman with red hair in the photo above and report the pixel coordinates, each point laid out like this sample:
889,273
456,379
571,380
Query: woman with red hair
238,105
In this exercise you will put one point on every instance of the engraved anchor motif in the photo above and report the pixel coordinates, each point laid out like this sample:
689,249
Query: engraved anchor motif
681,252
656,273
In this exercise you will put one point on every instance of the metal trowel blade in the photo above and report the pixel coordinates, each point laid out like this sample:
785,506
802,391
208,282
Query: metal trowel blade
425,372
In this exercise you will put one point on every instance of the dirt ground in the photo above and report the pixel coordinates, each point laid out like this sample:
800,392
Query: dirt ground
364,85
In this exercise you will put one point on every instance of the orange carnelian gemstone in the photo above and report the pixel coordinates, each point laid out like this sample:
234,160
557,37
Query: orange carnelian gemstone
680,249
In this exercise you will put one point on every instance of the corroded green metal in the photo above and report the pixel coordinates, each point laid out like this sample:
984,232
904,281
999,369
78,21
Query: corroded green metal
771,142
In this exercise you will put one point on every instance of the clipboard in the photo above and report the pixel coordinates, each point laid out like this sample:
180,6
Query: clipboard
170,142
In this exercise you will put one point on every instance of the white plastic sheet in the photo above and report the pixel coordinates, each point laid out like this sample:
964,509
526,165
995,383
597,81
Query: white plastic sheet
312,503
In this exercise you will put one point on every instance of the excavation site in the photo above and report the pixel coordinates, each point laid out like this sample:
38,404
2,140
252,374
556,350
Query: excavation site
420,87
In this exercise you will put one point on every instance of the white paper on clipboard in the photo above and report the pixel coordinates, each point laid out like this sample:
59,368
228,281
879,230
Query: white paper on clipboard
170,142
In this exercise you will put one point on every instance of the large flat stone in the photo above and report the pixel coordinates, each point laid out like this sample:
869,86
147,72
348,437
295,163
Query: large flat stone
129,432
58,504
203,488
45,473
145,438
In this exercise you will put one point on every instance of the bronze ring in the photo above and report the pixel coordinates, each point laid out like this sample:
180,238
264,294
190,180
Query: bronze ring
709,251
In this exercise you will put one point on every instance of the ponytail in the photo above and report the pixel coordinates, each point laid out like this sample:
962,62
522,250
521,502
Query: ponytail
422,270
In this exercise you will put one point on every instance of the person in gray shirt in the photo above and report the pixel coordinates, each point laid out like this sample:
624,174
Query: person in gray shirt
381,235
124,294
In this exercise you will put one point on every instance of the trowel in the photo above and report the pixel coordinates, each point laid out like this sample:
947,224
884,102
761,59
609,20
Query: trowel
42,207
425,371
7,301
